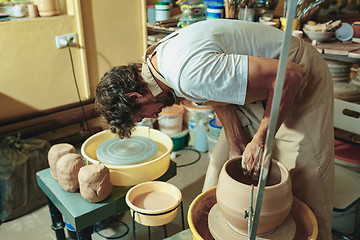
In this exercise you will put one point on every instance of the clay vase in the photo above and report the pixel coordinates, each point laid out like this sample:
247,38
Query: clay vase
233,196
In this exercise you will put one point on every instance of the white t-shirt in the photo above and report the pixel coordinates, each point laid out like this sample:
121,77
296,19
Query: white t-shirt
208,60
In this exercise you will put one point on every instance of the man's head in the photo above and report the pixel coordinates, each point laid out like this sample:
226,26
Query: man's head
123,99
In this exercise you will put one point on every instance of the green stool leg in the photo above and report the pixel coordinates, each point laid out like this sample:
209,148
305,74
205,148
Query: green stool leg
57,221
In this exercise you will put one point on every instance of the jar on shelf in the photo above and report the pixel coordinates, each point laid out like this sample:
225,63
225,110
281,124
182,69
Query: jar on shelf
162,11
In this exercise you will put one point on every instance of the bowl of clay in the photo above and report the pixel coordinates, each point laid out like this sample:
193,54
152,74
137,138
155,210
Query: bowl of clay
132,174
200,209
153,203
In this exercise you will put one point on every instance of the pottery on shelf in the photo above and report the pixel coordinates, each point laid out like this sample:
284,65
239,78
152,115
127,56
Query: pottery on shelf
233,196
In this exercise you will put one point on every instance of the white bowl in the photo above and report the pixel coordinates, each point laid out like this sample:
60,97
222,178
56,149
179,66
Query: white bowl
318,36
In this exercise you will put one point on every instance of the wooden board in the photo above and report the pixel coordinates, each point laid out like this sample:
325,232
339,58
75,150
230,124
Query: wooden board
354,54
338,48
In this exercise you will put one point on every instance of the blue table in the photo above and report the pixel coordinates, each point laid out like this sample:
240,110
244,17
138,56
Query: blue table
80,213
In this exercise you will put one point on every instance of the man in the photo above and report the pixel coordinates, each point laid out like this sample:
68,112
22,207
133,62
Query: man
232,65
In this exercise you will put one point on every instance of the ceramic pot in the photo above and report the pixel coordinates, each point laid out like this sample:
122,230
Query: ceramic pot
47,8
233,196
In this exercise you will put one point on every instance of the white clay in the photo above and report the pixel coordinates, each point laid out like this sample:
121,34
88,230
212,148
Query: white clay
94,180
67,169
56,152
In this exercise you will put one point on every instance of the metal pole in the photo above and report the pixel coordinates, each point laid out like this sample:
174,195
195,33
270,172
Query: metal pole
273,115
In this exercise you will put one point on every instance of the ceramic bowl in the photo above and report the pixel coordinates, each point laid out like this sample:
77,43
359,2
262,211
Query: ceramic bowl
233,196
318,36
153,203
297,33
129,175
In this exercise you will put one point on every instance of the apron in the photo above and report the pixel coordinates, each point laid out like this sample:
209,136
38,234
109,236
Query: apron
148,72
304,143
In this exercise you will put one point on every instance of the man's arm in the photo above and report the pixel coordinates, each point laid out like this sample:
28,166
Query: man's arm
262,77
234,131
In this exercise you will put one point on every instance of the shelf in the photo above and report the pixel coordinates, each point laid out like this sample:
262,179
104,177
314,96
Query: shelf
159,29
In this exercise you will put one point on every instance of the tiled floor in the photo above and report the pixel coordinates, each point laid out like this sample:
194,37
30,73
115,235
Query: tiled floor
189,179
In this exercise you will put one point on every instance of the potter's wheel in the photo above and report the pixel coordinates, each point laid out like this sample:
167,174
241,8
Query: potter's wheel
221,230
131,150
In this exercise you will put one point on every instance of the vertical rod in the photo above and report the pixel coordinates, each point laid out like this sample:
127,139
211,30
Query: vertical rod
250,221
182,215
149,234
165,232
273,115
133,222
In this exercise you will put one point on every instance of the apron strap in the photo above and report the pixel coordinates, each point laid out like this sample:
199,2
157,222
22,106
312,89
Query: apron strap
148,71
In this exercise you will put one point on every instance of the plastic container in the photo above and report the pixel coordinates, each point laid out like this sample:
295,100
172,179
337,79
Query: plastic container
151,13
162,11
346,213
193,114
180,140
71,230
214,129
200,137
214,11
171,120
345,32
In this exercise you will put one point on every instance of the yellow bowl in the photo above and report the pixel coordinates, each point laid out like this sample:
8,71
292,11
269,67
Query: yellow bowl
129,175
306,223
154,203
198,214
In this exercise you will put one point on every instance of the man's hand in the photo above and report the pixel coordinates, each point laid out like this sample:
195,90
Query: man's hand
251,158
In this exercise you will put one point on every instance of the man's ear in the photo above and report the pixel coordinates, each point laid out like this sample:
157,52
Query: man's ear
134,96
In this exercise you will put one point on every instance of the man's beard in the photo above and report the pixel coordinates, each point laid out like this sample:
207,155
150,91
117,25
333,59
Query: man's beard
168,100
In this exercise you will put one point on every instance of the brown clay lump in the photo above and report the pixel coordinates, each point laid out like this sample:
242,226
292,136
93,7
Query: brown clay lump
94,180
56,152
67,169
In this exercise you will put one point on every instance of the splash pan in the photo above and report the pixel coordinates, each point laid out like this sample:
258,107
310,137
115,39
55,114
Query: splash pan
126,151
135,173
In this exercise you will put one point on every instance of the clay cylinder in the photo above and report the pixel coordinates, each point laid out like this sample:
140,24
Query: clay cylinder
33,11
233,196
56,152
48,8
94,181
67,169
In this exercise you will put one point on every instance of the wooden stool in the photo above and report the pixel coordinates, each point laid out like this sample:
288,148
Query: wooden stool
80,213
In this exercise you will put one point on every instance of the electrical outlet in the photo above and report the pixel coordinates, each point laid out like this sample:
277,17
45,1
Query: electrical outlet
62,40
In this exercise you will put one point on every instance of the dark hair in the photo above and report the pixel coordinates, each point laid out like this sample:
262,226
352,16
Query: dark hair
116,110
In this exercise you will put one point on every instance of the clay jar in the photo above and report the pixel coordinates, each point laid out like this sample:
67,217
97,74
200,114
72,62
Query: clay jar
94,182
233,196
55,153
67,169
